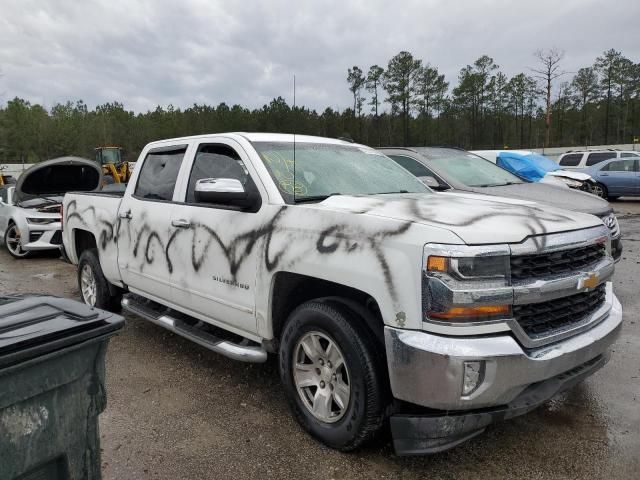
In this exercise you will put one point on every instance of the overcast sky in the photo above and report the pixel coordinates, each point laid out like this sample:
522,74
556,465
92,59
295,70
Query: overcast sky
145,53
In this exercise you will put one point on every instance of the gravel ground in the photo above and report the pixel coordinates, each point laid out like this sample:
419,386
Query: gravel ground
176,410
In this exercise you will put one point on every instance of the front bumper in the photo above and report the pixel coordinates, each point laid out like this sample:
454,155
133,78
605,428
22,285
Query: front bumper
433,433
427,369
42,237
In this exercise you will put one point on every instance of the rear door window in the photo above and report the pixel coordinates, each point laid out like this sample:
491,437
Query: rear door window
594,158
157,179
571,160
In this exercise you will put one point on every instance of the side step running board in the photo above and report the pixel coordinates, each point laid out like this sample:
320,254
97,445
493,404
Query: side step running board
243,353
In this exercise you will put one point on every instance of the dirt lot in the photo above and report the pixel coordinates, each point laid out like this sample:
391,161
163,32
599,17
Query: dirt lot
177,410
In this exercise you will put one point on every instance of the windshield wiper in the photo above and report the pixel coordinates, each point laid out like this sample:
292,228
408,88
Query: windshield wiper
314,198
496,184
390,193
50,200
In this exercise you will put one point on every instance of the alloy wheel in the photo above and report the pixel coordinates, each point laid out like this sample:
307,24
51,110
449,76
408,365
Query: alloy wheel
88,285
321,377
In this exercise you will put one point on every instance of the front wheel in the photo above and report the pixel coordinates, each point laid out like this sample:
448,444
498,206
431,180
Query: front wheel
12,242
332,376
600,190
94,287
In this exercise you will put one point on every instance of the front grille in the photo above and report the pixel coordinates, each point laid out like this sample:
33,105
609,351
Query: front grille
524,267
56,239
541,319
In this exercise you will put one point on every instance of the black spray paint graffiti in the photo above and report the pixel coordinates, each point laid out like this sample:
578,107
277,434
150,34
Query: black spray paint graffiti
339,237
336,237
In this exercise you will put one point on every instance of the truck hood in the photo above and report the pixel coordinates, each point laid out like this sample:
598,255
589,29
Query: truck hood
53,178
563,197
475,219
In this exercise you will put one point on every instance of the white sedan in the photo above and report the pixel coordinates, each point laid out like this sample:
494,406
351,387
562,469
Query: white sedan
30,217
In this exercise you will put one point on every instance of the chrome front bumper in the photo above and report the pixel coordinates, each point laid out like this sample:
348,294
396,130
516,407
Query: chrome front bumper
427,369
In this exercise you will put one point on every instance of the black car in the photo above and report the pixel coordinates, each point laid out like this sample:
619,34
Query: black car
443,168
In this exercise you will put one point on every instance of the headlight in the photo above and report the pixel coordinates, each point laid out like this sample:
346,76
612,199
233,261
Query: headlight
469,268
456,268
570,182
42,221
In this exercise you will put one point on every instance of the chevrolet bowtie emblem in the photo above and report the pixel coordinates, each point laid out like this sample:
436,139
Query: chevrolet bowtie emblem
590,281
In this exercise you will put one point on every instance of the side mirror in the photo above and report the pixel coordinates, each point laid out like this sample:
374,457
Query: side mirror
432,183
222,191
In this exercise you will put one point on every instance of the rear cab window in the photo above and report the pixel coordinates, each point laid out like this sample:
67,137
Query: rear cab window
159,173
571,160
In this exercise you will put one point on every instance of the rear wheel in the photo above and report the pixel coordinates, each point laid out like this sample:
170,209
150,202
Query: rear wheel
600,190
94,287
12,242
332,374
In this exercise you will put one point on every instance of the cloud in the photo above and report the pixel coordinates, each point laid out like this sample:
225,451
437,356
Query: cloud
145,53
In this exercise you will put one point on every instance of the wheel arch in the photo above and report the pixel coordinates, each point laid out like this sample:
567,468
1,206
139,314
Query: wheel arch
290,290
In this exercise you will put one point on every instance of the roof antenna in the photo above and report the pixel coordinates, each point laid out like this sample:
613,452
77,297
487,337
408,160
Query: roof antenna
294,138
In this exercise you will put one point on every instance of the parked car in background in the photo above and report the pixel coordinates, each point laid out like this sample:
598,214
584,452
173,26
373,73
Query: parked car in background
452,169
575,159
535,167
616,177
30,209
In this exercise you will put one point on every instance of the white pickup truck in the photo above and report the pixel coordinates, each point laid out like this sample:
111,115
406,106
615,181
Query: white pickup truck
384,301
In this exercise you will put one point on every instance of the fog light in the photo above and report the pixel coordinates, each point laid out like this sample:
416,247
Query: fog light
473,376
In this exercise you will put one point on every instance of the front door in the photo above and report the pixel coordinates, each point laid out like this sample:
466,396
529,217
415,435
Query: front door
620,177
214,248
144,218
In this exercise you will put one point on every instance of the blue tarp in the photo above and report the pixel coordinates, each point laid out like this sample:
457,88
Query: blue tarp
531,166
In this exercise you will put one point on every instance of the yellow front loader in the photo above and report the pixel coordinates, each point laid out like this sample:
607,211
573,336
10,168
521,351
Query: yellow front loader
114,169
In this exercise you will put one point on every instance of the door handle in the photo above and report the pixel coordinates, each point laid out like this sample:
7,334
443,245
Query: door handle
181,223
604,174
125,215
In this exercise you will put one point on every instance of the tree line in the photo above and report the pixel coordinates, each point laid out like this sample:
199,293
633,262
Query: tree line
407,103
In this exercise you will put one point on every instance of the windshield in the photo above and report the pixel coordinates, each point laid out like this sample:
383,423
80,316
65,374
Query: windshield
323,169
473,171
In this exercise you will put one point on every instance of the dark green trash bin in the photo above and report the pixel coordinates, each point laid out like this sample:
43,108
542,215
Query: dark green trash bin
52,353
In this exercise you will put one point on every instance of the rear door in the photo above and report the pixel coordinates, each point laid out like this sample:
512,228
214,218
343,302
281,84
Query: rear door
144,216
620,177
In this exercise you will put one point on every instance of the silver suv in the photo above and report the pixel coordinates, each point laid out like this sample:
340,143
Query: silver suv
586,158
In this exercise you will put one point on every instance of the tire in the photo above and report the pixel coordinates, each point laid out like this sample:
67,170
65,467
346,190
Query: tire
345,427
612,198
15,250
100,294
600,190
